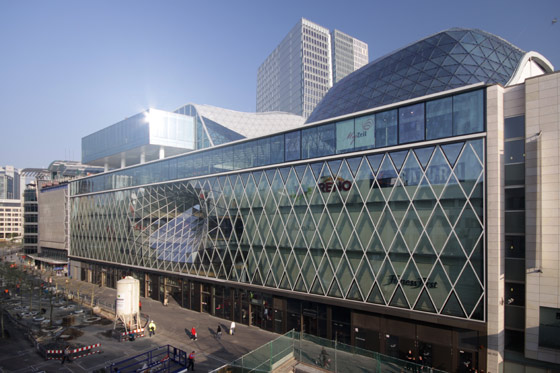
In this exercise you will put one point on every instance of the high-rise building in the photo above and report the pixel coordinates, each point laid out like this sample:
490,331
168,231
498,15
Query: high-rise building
348,54
9,183
30,219
302,68
10,204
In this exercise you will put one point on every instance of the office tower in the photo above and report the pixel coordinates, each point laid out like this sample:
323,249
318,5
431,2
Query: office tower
302,68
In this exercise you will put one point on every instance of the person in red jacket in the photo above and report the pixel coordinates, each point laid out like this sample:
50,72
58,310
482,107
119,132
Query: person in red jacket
190,365
193,333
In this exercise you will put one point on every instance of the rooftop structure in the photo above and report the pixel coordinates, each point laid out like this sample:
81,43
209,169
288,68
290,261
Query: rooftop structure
156,134
446,60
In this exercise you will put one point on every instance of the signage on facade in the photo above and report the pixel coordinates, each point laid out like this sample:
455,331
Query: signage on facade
393,279
328,184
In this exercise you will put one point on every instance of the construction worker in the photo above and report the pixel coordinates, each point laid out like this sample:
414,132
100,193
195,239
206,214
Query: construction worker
152,327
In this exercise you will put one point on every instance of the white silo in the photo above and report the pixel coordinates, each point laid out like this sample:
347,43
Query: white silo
127,303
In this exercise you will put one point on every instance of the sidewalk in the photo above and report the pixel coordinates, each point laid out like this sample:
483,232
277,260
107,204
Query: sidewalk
173,327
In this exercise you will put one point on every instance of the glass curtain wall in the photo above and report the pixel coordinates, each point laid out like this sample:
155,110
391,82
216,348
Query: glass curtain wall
402,229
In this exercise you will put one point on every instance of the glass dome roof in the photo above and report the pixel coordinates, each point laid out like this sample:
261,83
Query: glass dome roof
449,59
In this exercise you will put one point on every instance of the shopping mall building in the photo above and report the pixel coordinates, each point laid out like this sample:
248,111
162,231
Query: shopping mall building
417,209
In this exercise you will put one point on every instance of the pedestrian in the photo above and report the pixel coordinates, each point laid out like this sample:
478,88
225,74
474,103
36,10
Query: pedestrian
140,305
219,332
165,301
191,361
193,333
66,355
232,328
152,328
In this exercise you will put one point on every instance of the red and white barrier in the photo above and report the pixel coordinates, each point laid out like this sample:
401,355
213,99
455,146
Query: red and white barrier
137,333
60,353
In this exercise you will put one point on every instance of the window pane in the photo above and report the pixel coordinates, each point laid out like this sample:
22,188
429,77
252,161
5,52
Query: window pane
263,152
515,127
345,137
515,317
514,340
514,151
468,113
515,174
309,143
515,269
411,123
515,294
365,132
386,128
277,149
515,246
515,222
515,199
549,327
325,140
439,118
293,146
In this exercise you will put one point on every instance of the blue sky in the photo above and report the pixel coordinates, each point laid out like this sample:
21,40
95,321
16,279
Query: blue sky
69,68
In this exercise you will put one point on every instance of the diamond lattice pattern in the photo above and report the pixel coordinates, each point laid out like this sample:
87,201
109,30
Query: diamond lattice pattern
402,229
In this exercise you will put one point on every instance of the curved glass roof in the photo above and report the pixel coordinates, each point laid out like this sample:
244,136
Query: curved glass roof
449,59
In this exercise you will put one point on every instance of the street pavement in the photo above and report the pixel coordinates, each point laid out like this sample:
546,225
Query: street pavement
173,328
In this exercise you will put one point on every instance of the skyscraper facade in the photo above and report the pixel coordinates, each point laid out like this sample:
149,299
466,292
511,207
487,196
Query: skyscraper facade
9,183
300,71
348,54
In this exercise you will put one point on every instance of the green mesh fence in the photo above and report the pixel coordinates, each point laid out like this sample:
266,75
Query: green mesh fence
321,353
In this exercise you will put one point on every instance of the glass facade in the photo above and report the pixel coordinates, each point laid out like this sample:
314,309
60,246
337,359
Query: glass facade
150,127
404,125
449,59
402,229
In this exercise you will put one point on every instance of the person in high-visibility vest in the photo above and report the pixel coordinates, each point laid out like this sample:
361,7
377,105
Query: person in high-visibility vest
152,327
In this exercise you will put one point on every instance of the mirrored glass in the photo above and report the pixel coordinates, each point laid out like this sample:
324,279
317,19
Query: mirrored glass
386,128
468,113
411,123
439,118
292,146
345,137
364,135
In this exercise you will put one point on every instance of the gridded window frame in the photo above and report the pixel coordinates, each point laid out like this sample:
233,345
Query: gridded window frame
390,228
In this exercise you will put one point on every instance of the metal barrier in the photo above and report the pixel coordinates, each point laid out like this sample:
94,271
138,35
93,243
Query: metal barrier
162,359
76,353
322,353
